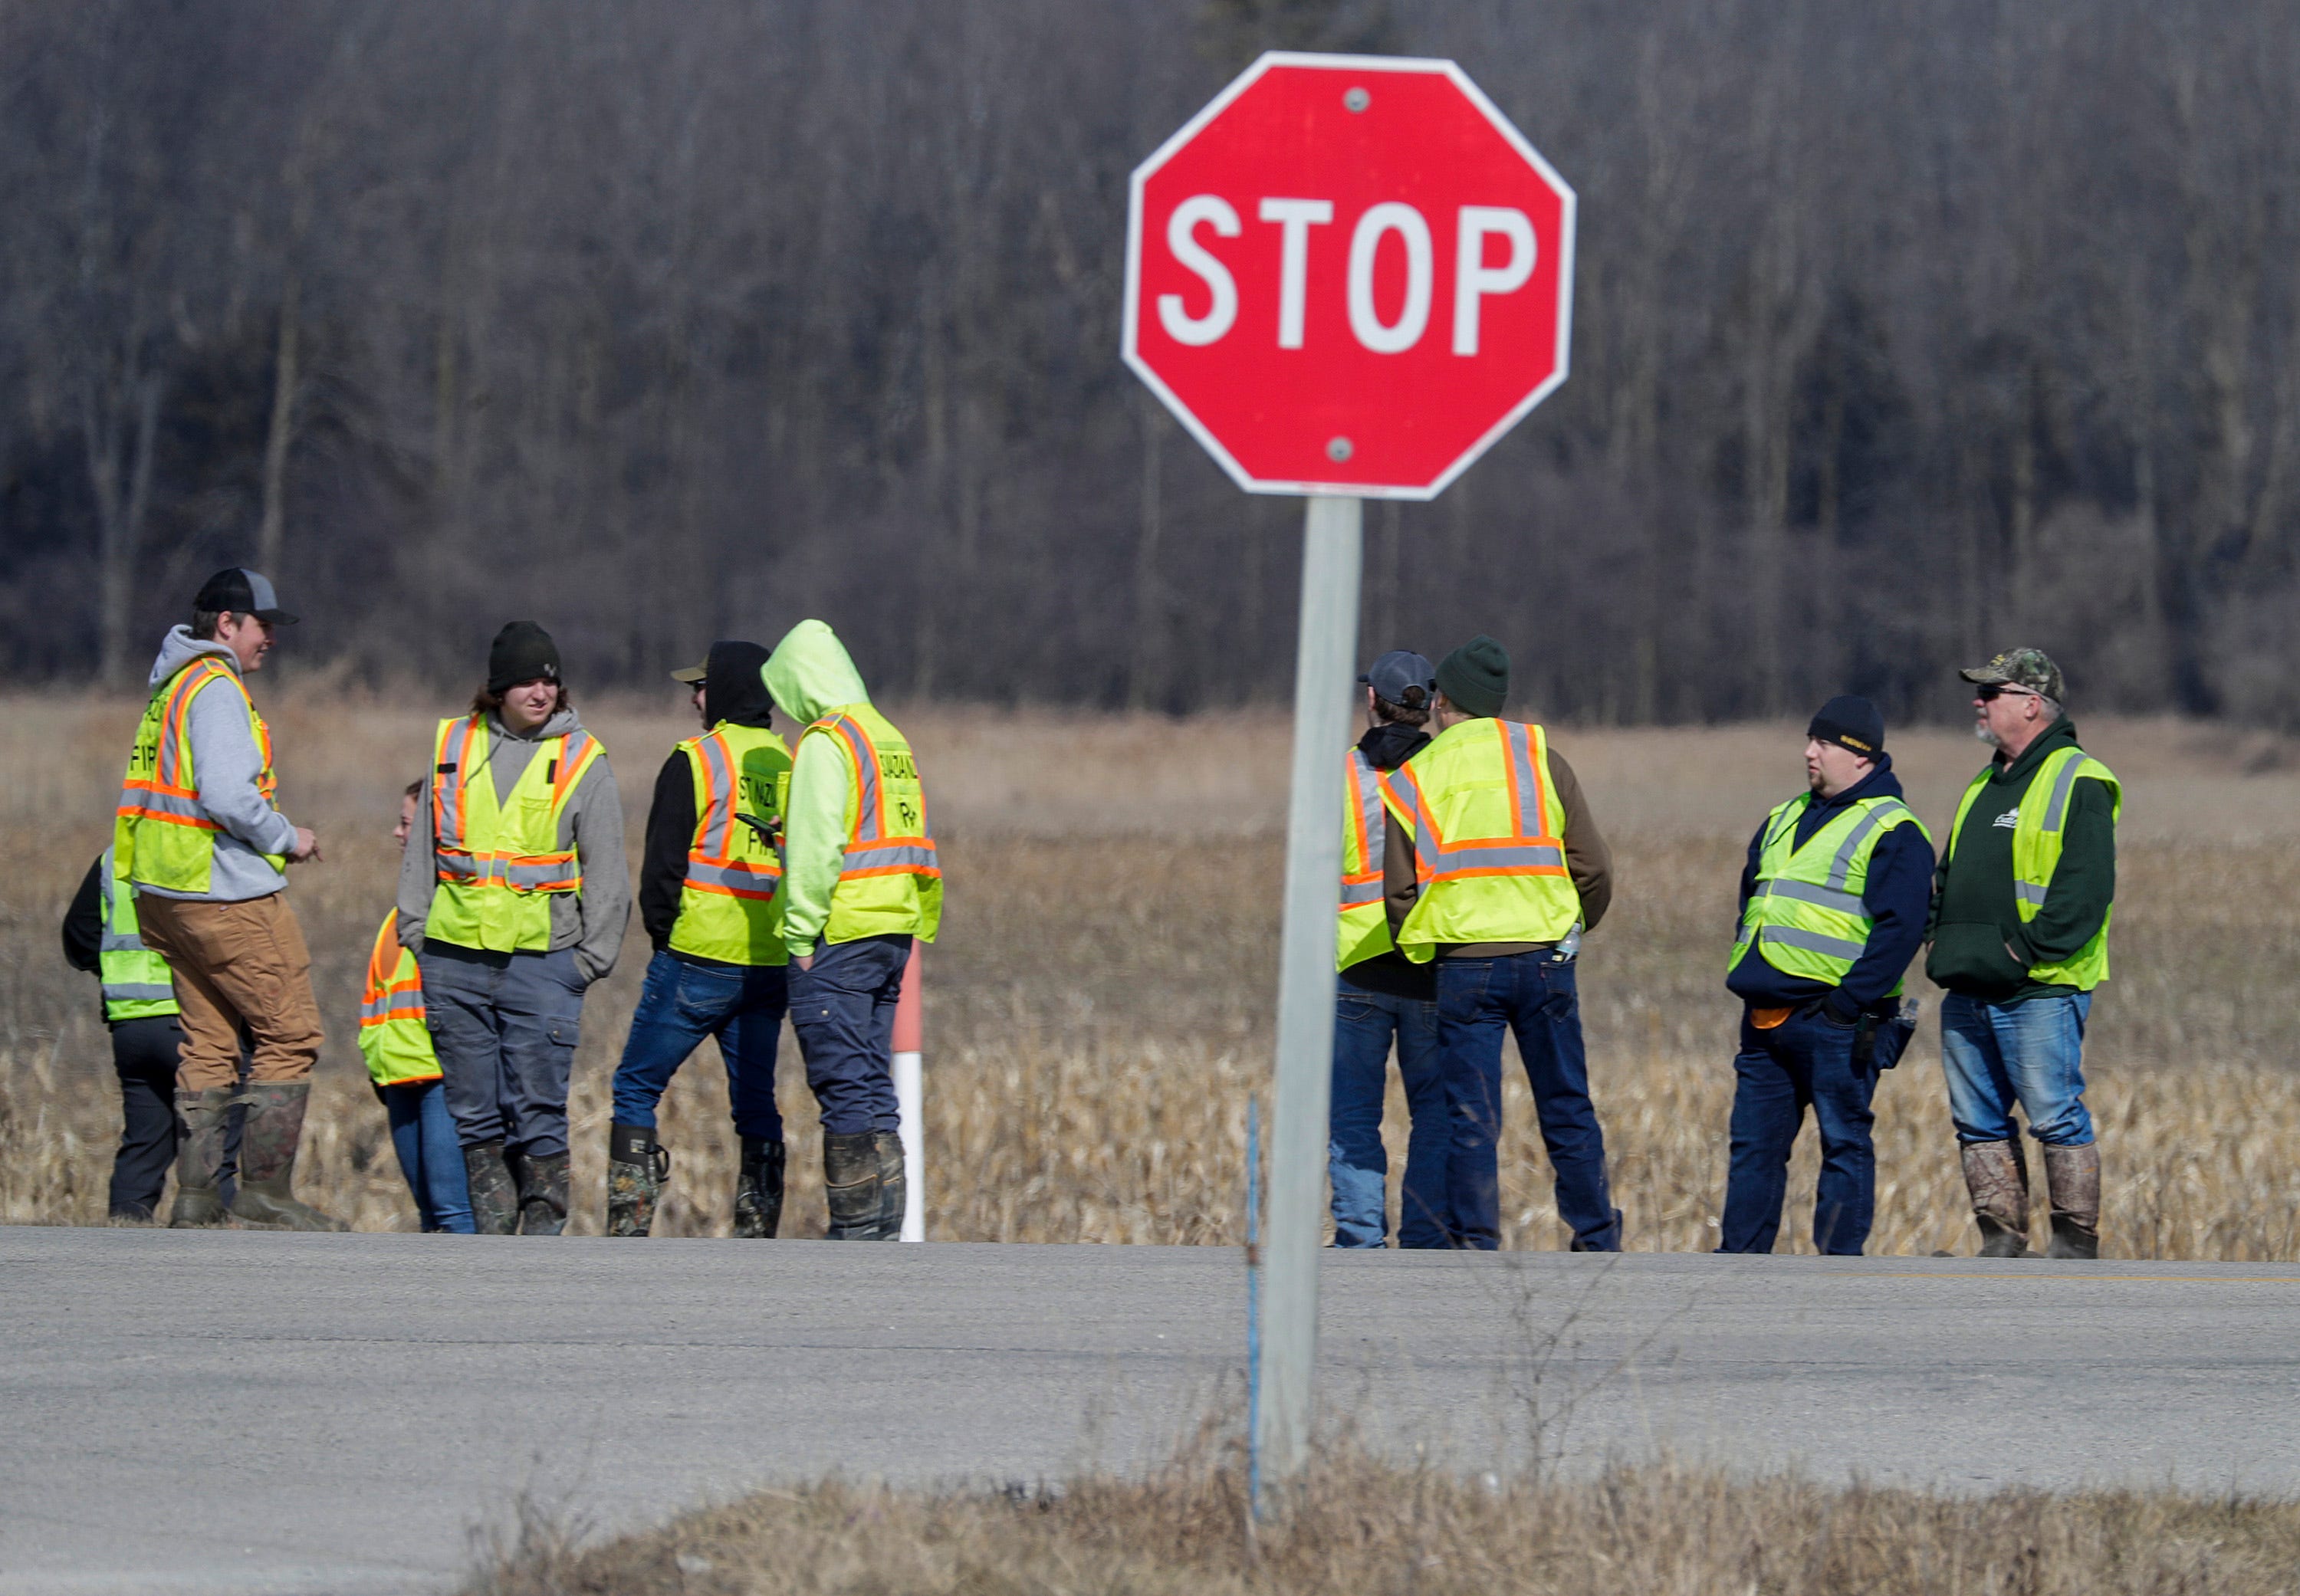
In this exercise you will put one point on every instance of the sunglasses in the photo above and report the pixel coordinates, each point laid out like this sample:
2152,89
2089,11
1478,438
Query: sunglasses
1987,695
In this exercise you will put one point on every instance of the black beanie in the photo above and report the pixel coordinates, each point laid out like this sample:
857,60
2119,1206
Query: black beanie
1475,677
1851,723
522,652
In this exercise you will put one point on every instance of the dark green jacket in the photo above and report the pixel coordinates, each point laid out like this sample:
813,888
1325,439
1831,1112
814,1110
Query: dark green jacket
1980,948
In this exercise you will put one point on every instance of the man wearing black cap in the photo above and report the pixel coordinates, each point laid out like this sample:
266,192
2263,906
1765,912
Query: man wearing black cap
1492,869
198,836
709,898
1833,902
1382,992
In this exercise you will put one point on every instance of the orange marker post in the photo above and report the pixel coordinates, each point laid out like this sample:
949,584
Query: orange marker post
910,1100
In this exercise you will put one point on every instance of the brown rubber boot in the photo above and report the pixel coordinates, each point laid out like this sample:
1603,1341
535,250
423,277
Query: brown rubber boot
1998,1176
759,1190
894,1186
636,1167
199,1158
268,1141
850,1185
542,1179
494,1201
2073,1177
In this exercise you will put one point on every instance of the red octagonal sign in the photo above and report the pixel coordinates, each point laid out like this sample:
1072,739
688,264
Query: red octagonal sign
1349,274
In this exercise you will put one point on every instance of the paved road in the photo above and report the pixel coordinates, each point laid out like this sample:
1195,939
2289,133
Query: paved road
258,1413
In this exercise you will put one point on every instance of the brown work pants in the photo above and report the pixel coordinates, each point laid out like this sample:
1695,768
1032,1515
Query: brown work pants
235,965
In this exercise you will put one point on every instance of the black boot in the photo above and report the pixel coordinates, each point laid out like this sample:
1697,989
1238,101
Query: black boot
759,1189
542,1179
494,1201
894,1186
268,1141
199,1156
850,1185
636,1167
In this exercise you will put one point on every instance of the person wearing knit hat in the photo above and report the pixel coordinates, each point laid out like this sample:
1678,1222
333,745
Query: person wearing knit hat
1492,869
513,896
1833,901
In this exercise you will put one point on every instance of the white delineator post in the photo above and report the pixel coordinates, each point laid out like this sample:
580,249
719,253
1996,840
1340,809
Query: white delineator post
1332,545
909,1101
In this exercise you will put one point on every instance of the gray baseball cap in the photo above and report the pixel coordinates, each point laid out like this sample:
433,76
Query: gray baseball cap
1398,673
238,591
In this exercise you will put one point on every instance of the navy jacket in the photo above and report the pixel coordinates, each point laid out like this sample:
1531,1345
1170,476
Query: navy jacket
1897,896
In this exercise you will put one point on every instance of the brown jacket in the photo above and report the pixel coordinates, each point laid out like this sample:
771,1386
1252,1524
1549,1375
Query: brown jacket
1588,861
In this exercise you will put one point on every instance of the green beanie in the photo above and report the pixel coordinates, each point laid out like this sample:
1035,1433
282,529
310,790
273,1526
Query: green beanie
1475,677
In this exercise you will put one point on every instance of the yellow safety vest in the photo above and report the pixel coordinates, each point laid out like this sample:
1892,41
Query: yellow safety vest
136,982
161,835
1364,928
1488,839
2036,838
730,907
889,879
499,865
393,1036
1805,916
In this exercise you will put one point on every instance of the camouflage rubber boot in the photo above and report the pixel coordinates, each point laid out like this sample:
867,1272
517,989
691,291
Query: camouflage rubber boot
494,1201
850,1185
542,1193
1998,1176
198,1157
636,1167
759,1189
268,1141
894,1186
2073,1177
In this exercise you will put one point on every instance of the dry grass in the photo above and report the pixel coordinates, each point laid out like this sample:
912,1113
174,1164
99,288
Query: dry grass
1098,1007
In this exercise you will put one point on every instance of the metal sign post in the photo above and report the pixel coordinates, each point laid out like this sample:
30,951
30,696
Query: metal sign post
1333,535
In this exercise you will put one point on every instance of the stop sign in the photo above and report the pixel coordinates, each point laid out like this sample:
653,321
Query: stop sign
1349,274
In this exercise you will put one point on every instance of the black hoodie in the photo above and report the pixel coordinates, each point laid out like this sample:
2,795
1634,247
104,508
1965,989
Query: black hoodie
733,693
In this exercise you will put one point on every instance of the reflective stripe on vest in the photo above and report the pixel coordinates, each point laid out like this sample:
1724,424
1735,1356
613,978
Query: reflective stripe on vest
2036,838
136,981
1363,931
393,1037
728,909
871,849
161,834
890,876
497,864
1805,915
1486,872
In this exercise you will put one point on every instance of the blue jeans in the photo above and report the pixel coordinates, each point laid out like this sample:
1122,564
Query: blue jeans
1806,1058
1532,995
430,1154
1364,1023
504,1026
681,1003
2031,1052
843,1010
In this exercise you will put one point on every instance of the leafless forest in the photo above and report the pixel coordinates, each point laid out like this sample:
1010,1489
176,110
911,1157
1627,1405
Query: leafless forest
1904,331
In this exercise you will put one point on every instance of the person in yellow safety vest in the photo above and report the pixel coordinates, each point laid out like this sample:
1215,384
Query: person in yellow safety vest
1380,992
2020,939
513,897
1492,869
1833,902
198,837
860,885
710,882
397,1044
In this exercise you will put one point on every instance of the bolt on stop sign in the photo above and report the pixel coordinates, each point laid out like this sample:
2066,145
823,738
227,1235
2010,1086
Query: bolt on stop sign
1349,275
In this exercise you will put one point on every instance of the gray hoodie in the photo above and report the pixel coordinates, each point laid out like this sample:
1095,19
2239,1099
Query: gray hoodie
225,765
590,921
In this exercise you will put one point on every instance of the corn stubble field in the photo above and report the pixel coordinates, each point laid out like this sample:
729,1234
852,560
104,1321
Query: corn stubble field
1097,1010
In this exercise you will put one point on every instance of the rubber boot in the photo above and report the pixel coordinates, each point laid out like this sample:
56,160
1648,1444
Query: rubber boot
494,1201
2073,1177
850,1185
1998,1176
268,1141
759,1189
894,1186
542,1179
198,1157
636,1167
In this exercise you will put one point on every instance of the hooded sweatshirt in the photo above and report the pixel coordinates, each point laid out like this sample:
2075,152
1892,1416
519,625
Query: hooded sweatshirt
810,675
590,921
225,765
733,694
1894,897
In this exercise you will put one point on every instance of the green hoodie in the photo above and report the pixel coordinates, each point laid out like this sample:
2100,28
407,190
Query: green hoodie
809,676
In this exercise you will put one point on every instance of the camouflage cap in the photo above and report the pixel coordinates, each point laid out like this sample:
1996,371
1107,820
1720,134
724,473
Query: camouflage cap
2030,668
